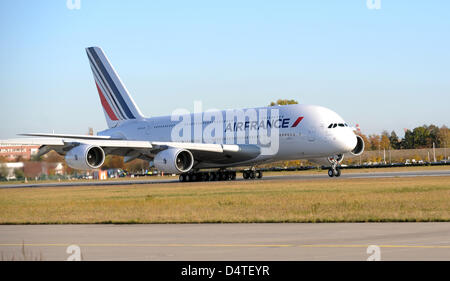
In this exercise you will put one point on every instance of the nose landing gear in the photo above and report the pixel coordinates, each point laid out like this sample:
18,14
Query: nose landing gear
334,170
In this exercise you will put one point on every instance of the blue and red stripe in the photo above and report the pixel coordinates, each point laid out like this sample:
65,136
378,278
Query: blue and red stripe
111,84
106,105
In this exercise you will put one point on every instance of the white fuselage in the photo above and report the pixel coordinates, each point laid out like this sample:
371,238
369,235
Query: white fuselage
302,131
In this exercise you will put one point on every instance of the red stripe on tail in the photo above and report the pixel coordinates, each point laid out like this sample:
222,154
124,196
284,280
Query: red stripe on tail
105,105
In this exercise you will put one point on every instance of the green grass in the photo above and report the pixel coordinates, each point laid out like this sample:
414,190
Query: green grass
321,200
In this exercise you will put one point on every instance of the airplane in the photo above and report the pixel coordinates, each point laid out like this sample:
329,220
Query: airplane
201,146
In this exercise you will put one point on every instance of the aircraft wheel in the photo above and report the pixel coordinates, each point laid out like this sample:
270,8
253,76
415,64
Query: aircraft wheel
224,176
260,174
330,173
245,175
252,175
182,178
337,173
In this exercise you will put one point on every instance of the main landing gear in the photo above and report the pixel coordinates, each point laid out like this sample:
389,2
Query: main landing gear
221,175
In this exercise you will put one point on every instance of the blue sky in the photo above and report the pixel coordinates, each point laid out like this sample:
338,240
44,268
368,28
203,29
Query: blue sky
384,69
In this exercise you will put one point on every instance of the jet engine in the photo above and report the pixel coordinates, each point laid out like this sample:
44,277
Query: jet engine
174,160
359,148
85,157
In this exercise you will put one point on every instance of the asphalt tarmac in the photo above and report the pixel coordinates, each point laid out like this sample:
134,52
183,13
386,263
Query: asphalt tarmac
260,242
153,180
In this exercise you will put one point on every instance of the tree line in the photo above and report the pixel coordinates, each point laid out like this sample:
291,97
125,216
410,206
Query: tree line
420,137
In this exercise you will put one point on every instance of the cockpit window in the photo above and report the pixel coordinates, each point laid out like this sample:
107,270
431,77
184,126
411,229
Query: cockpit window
334,125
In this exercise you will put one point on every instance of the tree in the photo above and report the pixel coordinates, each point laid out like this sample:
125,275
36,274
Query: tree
408,140
113,162
53,157
394,140
3,172
283,102
444,136
433,135
19,174
374,142
136,166
385,143
36,158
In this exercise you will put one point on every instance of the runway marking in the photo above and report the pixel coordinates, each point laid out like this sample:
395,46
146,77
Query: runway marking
149,245
381,246
226,245
404,176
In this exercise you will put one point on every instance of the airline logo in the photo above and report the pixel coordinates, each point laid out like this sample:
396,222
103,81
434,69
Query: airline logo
299,119
265,124
109,87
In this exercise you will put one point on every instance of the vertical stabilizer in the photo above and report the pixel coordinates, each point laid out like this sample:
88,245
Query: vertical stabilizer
117,103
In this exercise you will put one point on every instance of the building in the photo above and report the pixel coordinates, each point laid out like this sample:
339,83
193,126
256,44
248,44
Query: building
10,168
32,170
12,152
37,169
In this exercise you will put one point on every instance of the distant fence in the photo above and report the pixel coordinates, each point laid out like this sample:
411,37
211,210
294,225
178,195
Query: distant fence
356,166
400,156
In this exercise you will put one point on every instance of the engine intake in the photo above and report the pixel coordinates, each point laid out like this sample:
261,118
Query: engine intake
85,157
359,148
174,161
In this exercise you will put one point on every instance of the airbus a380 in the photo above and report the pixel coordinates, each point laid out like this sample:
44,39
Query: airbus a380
200,146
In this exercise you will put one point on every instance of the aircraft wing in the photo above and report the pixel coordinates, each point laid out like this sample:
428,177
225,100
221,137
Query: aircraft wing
130,149
89,137
64,144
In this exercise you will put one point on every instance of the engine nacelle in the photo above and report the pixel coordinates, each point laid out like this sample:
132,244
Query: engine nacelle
174,161
359,148
85,157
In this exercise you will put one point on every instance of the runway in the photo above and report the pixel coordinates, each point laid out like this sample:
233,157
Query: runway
428,173
260,242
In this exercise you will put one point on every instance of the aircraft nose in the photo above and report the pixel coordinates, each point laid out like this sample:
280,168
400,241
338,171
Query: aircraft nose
347,141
